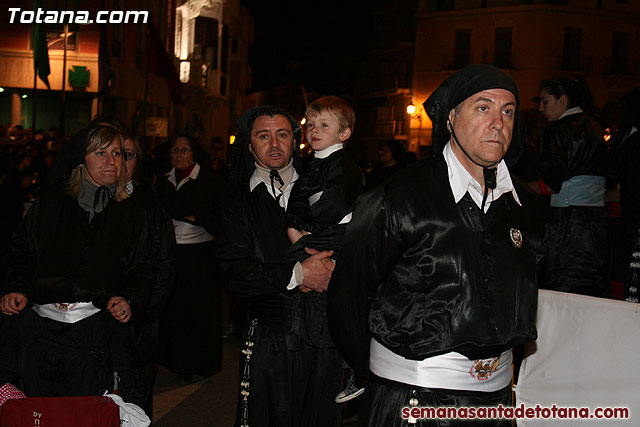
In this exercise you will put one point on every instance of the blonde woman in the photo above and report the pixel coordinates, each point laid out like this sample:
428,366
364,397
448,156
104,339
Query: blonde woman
80,260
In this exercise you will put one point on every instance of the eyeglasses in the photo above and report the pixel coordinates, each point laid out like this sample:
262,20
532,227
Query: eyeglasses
129,155
177,151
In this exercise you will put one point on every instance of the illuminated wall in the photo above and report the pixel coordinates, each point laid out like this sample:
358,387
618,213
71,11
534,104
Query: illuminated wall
599,40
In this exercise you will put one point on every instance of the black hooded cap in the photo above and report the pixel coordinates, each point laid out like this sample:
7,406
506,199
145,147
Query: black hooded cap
72,155
242,161
460,86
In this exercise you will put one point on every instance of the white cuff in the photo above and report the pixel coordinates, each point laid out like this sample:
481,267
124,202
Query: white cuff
297,277
346,219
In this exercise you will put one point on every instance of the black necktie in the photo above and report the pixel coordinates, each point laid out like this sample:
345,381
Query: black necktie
274,175
102,197
489,183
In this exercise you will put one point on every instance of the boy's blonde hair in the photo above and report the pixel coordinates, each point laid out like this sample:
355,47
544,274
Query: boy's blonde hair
339,107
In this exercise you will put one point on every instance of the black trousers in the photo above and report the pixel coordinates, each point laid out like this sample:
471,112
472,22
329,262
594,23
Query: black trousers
292,383
383,402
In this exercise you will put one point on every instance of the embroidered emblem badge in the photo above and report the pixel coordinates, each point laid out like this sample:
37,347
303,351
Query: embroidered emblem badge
482,369
65,306
516,237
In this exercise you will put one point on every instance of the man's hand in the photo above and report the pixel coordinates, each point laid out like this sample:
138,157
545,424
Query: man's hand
13,303
119,309
317,270
329,263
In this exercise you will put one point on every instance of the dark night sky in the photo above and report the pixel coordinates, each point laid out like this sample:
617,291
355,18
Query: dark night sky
312,43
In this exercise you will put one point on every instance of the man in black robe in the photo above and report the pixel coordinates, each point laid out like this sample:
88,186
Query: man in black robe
285,381
437,279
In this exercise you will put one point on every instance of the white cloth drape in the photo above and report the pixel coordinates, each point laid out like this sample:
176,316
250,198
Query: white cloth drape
587,355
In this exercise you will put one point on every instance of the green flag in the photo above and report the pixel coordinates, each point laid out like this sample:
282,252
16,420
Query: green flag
40,50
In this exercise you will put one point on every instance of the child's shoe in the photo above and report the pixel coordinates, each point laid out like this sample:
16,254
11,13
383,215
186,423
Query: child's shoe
350,392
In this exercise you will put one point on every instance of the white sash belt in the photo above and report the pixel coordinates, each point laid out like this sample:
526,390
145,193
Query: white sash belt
66,312
187,234
451,371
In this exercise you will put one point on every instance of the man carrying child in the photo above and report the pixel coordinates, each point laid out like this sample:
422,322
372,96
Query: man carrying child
286,380
319,209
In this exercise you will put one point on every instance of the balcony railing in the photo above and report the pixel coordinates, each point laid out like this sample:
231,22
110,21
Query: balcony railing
214,82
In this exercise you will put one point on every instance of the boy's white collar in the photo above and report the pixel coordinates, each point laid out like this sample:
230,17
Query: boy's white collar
323,154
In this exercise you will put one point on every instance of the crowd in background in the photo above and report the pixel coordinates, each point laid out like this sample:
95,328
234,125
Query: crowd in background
25,160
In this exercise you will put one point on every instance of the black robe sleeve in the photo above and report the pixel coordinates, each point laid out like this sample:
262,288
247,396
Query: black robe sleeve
297,206
138,280
250,246
360,270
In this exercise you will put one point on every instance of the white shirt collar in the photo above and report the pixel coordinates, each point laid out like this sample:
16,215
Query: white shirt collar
323,154
570,111
171,176
462,182
256,179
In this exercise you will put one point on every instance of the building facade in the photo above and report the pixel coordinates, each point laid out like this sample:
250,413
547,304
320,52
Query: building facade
212,40
140,63
532,40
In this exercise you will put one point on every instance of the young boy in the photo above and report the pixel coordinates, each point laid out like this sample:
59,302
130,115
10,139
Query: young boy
319,208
